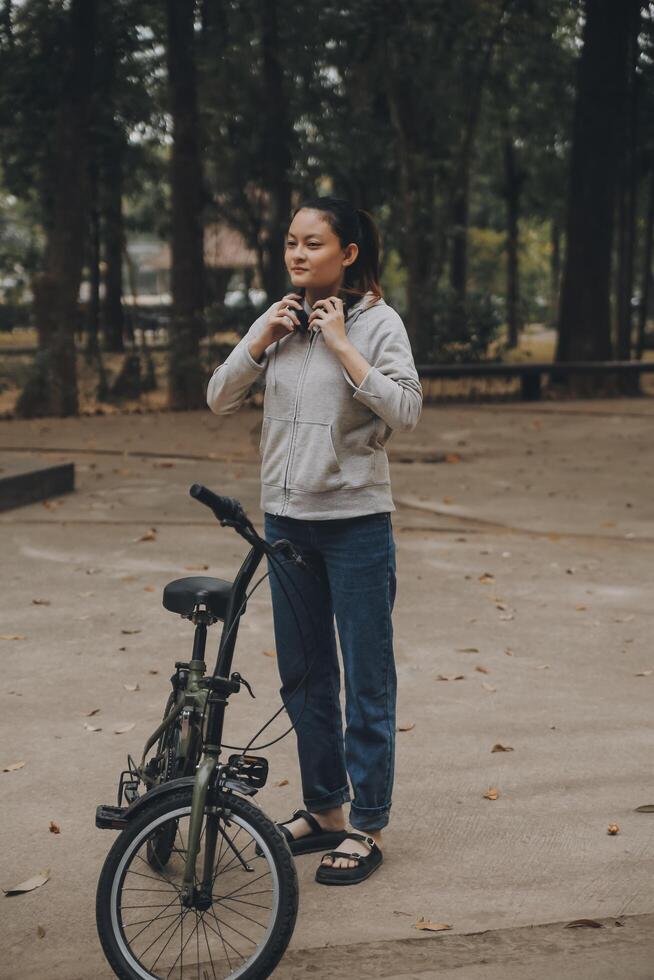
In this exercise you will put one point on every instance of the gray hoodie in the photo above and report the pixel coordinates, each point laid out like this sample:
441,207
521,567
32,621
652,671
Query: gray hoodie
323,438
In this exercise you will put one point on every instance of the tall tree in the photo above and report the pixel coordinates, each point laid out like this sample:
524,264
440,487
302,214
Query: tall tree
584,322
185,374
64,181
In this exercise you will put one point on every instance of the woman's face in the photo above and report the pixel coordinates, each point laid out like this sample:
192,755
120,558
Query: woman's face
314,256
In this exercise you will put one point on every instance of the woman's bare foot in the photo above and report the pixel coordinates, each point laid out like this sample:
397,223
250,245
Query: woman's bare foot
328,819
353,846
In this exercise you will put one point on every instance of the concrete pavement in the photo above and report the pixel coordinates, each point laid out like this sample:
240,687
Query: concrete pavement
525,566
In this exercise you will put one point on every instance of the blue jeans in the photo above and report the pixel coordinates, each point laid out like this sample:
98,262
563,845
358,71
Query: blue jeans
354,560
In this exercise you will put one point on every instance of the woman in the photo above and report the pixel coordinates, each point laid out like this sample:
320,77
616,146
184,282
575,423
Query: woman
334,395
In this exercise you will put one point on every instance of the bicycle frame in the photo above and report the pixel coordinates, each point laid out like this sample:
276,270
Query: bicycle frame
220,687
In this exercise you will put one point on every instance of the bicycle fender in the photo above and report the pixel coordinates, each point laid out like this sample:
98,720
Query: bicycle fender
117,818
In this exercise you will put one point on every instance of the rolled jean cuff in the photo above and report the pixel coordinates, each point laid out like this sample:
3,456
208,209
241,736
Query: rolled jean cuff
336,798
369,818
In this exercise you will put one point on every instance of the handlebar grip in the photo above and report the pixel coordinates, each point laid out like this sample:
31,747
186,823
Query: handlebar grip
225,508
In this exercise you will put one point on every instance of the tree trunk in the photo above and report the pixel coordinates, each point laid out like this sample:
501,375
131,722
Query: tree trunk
513,179
416,238
186,388
114,234
584,322
93,321
276,157
52,388
647,272
628,182
475,82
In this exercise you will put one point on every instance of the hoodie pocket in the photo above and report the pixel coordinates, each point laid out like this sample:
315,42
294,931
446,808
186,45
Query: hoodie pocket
273,448
315,466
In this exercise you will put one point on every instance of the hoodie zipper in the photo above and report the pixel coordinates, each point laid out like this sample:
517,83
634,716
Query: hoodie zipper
313,336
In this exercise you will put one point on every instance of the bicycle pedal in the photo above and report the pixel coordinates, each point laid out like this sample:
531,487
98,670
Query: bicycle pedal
251,769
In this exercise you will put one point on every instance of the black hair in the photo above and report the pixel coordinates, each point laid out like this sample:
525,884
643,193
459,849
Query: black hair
351,225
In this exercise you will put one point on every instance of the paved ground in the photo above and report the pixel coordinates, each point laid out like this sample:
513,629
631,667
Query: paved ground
530,558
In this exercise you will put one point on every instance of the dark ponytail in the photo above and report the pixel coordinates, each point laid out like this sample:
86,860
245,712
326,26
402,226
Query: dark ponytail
352,225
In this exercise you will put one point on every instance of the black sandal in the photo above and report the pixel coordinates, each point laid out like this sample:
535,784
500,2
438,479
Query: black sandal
327,874
315,841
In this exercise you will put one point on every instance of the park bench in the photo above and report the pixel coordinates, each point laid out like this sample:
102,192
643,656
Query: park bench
531,374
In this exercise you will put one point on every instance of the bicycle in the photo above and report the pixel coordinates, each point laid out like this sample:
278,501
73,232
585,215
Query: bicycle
171,898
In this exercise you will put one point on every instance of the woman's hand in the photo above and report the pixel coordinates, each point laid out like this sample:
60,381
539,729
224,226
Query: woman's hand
328,316
282,320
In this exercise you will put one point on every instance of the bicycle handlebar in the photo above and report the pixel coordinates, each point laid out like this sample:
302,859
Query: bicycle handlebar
225,508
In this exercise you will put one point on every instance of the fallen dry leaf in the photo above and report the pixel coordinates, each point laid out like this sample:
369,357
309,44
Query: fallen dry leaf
448,500
452,458
121,729
466,650
131,687
505,617
149,588
542,667
91,728
486,578
580,607
150,535
644,673
282,782
483,670
12,636
491,793
451,677
130,632
54,828
583,924
13,767
645,808
93,711
488,687
508,651
28,886
406,726
40,932
196,568
613,829
41,602
498,747
432,926
269,653
153,672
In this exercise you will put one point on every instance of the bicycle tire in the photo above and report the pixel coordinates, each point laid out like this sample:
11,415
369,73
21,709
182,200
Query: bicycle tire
111,908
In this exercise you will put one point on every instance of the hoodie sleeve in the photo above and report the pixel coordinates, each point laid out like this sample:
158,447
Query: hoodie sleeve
391,387
232,380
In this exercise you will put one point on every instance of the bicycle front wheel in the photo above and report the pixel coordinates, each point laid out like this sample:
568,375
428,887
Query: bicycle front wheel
147,932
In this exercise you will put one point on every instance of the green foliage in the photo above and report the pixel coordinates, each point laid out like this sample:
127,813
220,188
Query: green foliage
462,332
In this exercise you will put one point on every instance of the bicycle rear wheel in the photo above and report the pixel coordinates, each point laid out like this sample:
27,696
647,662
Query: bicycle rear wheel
146,931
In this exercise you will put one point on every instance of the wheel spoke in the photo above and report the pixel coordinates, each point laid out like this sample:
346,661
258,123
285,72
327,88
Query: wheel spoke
241,887
169,940
204,928
219,933
237,912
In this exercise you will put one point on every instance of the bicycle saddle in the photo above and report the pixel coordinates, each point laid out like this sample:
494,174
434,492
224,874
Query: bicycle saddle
183,595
